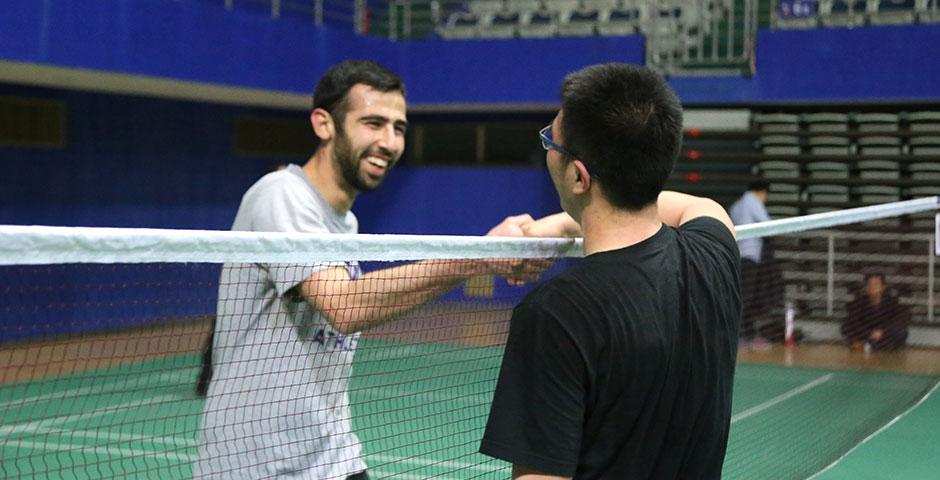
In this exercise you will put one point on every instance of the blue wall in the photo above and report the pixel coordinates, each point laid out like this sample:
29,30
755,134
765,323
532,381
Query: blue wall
830,65
46,301
137,162
201,41
153,163
454,200
132,162
163,38
204,42
499,71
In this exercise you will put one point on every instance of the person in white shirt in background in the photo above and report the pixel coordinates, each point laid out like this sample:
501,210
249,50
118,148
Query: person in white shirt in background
750,208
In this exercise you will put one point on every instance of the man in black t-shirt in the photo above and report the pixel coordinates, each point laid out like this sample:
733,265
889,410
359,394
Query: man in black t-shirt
622,367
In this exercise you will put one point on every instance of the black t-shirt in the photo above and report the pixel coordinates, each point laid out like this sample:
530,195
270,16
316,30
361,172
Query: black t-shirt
622,366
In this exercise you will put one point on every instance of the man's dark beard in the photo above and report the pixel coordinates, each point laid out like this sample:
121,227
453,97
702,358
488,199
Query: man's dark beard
349,164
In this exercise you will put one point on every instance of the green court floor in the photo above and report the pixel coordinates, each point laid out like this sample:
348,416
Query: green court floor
909,448
420,411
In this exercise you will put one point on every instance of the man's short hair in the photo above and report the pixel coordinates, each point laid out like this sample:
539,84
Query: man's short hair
625,124
871,275
334,85
759,186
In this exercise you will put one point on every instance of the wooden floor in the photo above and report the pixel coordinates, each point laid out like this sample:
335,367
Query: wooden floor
69,355
34,360
907,360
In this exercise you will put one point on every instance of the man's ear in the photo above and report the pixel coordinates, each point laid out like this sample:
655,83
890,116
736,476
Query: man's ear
322,123
582,178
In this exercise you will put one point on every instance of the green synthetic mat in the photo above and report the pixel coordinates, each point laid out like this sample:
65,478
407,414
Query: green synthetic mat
908,449
420,412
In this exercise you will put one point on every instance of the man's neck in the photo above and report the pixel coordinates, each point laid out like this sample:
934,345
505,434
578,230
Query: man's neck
607,228
322,172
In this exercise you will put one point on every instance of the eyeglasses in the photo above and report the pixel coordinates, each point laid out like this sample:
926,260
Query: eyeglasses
548,144
546,135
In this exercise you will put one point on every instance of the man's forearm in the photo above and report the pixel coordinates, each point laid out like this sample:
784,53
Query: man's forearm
379,296
677,208
557,225
382,295
674,209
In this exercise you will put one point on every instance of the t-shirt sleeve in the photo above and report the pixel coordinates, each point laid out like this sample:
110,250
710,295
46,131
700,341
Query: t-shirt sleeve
538,409
285,207
714,230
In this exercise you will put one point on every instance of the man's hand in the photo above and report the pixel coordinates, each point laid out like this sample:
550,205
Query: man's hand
511,226
876,335
557,225
518,272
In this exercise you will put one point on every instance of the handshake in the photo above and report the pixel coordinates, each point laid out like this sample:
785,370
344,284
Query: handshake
521,271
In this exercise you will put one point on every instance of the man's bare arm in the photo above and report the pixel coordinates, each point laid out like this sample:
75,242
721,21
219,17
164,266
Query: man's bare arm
677,208
356,305
557,225
674,209
376,297
520,472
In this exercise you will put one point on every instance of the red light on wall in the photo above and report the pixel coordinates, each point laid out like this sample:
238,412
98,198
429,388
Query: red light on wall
693,132
693,177
693,154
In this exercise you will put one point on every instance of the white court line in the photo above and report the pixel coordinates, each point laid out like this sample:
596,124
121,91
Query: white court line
877,432
184,457
110,451
68,394
428,463
117,437
389,395
380,474
124,452
41,426
29,427
780,398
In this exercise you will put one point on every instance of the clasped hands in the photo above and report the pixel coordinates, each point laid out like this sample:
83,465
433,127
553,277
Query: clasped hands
518,271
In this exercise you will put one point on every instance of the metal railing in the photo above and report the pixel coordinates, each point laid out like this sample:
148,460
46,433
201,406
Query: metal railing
701,36
921,288
682,37
320,12
816,13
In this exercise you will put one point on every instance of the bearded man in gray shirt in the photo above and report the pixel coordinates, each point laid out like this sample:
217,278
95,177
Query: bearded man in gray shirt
277,404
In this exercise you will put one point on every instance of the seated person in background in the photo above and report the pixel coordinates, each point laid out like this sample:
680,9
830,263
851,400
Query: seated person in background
875,318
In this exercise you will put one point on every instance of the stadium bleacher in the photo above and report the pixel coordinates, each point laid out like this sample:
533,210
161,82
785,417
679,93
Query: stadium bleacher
893,12
853,13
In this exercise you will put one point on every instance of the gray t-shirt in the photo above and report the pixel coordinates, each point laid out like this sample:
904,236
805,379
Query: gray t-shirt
277,404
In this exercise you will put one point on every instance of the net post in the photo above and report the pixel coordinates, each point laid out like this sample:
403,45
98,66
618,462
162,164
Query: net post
789,325
830,274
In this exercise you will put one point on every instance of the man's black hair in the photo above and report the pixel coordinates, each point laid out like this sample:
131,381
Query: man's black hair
759,186
334,85
625,124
